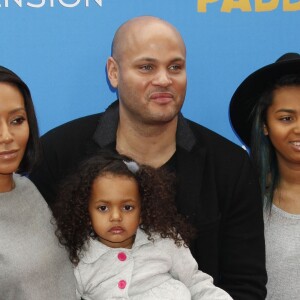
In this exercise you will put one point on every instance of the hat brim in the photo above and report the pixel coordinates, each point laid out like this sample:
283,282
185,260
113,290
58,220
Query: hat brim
247,94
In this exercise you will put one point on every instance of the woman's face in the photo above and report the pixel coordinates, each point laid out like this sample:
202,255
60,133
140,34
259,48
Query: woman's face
14,128
283,124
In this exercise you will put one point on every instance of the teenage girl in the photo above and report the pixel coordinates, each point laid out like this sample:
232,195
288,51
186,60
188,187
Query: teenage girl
265,113
120,226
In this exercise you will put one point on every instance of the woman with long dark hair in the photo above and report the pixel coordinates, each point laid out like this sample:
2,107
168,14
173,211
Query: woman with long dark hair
265,113
32,264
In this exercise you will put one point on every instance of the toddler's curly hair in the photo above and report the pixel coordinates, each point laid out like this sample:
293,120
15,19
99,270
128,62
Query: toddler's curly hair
158,211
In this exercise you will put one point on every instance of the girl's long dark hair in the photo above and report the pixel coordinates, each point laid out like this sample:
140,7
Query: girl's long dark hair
158,210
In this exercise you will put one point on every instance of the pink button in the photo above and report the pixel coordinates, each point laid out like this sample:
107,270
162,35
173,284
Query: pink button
122,284
122,256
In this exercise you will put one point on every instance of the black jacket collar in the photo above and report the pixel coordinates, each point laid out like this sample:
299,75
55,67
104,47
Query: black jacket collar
105,133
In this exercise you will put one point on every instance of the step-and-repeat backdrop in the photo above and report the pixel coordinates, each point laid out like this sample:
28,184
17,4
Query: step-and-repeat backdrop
60,47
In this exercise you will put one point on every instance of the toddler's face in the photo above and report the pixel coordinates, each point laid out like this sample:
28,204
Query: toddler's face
114,209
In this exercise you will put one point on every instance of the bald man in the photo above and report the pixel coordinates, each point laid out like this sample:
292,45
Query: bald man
217,188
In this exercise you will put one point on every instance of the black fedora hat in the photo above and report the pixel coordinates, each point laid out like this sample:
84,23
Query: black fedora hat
247,94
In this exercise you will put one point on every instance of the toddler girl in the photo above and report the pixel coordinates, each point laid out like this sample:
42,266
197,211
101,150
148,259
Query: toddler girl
124,236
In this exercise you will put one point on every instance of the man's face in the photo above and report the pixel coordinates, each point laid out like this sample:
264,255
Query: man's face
150,75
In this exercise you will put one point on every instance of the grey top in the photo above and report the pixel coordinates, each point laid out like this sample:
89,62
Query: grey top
32,264
150,270
282,236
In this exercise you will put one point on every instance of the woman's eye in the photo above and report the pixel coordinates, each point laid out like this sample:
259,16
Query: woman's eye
18,121
103,208
287,118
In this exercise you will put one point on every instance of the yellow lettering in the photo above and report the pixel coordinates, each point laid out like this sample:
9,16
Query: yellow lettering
202,5
288,6
265,6
243,5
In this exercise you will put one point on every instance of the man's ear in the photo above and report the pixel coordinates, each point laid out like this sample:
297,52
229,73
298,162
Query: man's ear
112,71
266,132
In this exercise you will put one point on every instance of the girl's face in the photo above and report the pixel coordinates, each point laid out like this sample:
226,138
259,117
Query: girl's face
283,124
114,209
14,128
